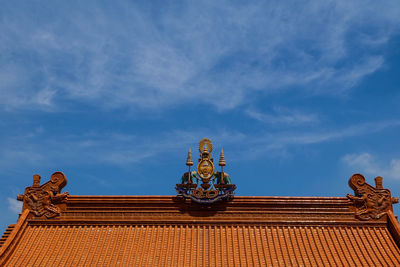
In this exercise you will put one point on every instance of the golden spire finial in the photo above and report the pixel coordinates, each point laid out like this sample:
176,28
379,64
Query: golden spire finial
189,160
222,159
205,151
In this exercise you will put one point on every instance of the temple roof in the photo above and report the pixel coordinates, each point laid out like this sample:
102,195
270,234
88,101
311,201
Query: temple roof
171,231
205,224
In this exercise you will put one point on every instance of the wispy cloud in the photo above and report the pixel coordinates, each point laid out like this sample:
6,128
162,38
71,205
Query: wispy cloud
283,116
132,56
122,149
371,165
14,205
282,139
126,149
279,143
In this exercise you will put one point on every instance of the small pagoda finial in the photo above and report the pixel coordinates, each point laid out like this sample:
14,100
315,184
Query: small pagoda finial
189,160
205,152
222,159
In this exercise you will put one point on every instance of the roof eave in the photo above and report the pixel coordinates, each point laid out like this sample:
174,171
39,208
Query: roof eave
14,236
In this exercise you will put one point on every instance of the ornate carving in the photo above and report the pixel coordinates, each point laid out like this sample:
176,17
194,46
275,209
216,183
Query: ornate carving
214,185
45,200
205,143
370,203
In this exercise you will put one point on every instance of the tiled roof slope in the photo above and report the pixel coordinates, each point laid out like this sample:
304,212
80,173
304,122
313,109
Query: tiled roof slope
167,231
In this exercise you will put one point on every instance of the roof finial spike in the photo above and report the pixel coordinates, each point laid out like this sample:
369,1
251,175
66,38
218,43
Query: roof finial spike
205,151
36,180
189,160
222,159
378,182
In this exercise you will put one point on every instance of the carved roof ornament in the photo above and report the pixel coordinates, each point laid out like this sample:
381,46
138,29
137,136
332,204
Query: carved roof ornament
370,203
45,200
205,185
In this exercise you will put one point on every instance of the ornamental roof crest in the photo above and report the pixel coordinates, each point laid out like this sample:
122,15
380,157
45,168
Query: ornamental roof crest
46,200
205,185
370,203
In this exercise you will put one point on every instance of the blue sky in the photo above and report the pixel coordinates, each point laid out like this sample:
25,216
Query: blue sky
300,95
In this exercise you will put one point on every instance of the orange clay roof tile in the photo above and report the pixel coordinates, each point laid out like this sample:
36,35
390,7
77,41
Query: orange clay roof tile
204,245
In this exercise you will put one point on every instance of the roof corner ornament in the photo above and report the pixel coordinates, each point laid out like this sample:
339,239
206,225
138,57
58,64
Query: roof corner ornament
205,185
45,200
370,203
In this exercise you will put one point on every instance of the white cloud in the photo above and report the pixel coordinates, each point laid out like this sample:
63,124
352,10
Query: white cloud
370,165
281,142
190,51
14,205
123,149
287,138
99,148
283,116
